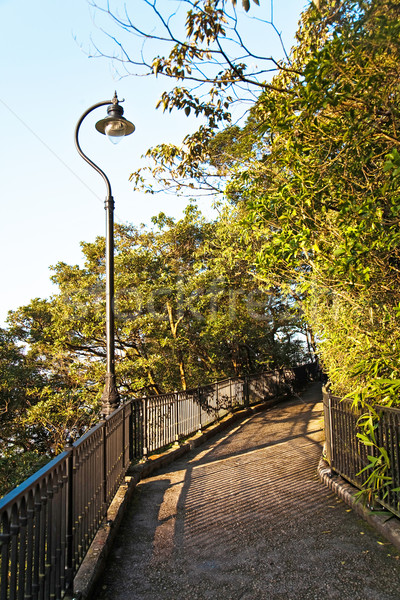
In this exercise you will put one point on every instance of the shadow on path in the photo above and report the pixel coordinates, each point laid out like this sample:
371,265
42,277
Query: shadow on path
244,517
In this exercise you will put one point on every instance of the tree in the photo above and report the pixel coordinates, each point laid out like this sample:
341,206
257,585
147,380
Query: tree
324,194
21,449
321,189
216,57
173,282
316,165
188,311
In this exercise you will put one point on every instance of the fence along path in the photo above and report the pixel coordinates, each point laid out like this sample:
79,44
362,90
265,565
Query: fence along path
349,457
48,523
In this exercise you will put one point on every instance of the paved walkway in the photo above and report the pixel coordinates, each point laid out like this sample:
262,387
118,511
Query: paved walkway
245,517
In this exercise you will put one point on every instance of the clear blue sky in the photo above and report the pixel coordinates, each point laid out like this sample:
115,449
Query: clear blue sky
50,198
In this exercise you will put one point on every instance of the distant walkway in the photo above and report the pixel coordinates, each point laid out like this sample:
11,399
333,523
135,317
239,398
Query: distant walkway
244,517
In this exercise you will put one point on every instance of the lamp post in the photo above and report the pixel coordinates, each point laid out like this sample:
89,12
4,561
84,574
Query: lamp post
115,126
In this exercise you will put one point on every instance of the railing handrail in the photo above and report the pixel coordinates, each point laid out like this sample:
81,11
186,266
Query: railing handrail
376,407
389,409
194,390
87,434
34,480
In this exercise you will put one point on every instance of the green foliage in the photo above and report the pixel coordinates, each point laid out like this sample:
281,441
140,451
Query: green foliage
311,239
21,448
378,480
315,172
317,169
175,284
16,467
215,56
187,311
322,193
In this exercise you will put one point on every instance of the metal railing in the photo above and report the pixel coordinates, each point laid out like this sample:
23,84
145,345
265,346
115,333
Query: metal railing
48,523
348,456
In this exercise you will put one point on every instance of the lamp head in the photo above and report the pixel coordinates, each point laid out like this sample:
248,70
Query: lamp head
115,126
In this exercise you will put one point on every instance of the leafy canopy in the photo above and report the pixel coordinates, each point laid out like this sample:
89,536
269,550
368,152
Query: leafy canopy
314,173
188,311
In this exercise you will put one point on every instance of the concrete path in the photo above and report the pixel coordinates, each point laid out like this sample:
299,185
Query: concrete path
245,517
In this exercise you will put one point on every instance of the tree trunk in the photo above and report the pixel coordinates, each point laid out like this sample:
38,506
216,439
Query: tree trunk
174,327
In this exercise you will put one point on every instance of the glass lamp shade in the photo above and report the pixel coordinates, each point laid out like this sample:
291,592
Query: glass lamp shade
115,131
115,128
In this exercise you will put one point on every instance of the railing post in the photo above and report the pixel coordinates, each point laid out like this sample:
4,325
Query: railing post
104,466
199,400
69,513
246,391
176,424
145,437
331,453
327,404
131,450
123,436
5,539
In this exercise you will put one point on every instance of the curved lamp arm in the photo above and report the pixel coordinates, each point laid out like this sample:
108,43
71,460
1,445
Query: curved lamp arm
90,162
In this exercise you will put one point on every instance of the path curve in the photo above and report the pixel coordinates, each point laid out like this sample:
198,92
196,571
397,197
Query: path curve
245,517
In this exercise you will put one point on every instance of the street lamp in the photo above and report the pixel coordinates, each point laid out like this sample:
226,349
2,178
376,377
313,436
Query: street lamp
115,126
